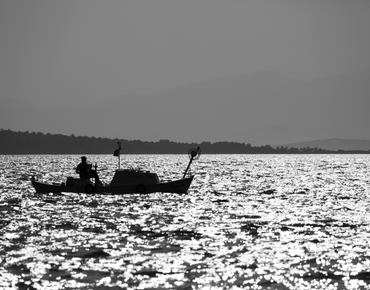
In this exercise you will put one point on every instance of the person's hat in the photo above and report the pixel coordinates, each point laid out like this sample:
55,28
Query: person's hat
83,158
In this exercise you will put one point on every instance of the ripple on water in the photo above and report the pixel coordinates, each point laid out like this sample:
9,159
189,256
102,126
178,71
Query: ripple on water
248,221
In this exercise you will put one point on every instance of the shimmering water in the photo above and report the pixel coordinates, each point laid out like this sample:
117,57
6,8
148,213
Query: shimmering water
248,222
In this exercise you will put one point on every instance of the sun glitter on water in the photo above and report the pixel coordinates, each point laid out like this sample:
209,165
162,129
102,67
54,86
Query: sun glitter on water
247,222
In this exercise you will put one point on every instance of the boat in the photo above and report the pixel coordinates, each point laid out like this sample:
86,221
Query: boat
124,181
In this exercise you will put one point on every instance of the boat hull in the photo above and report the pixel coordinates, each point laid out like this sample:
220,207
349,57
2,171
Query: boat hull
176,186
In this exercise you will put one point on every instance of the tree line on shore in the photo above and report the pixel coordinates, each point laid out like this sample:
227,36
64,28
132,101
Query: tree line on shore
13,142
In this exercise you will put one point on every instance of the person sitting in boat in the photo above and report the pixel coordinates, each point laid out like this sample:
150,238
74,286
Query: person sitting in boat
85,170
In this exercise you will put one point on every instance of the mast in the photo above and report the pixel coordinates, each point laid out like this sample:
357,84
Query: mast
192,154
118,154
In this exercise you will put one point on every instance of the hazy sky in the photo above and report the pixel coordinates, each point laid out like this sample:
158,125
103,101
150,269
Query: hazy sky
75,51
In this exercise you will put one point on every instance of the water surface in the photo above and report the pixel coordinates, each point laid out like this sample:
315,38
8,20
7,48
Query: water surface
247,222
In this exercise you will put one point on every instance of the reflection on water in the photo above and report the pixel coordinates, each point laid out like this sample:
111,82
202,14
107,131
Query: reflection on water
248,222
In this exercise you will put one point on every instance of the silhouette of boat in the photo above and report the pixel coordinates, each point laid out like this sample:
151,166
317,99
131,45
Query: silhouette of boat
124,181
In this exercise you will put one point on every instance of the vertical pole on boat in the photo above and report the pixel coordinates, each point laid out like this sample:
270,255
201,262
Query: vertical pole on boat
193,153
117,153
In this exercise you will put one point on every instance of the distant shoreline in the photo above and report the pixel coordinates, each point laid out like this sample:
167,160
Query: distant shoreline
26,143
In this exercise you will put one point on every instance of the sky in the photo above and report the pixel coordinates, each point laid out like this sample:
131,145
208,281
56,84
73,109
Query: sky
75,52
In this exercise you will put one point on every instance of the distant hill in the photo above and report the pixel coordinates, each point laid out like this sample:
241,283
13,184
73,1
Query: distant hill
333,144
40,143
257,108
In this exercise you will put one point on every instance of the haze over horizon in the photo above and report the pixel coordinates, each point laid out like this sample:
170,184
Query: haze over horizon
70,54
